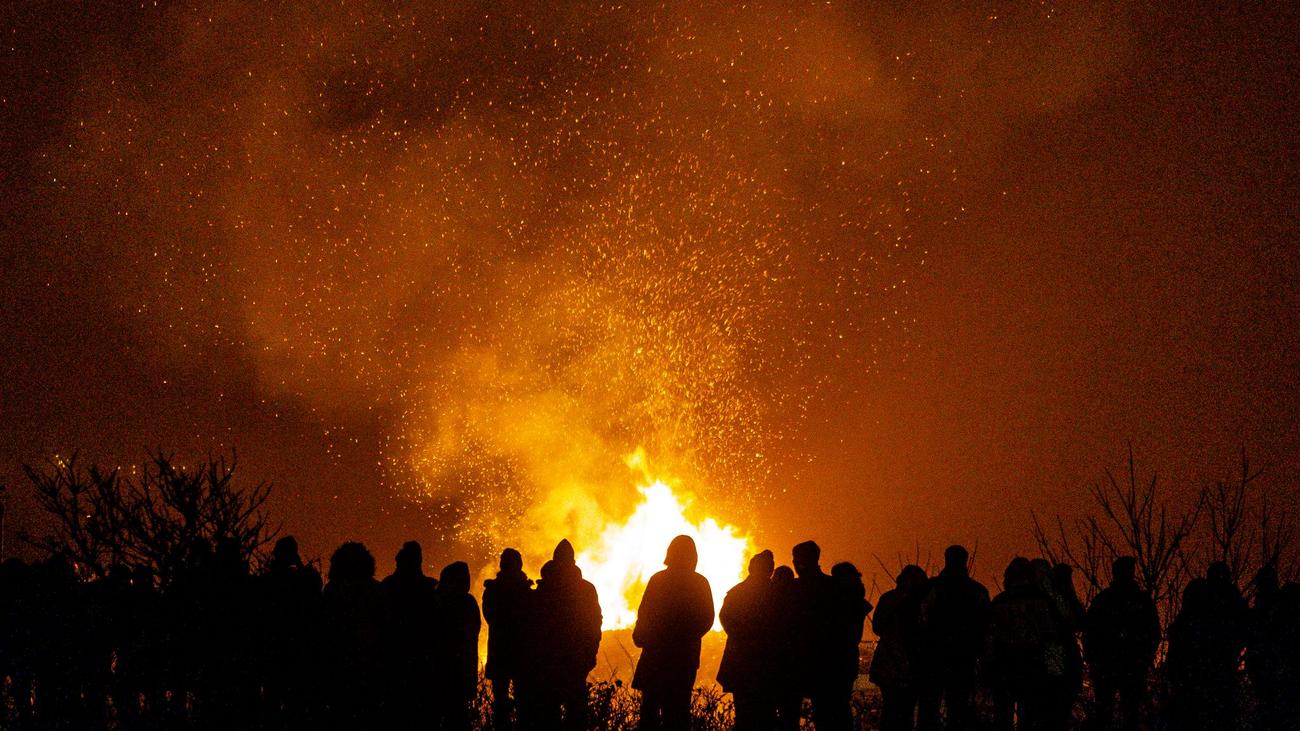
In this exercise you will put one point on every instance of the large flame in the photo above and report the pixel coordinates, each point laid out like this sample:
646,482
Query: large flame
626,555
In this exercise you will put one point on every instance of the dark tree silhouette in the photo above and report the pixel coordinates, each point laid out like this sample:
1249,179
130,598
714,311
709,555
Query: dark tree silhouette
1247,527
150,519
1133,518
1240,522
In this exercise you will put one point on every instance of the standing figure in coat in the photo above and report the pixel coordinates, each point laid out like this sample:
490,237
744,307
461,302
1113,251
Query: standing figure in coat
817,617
675,613
411,599
1205,644
848,622
506,605
1024,662
1121,631
566,622
746,668
355,621
456,624
954,620
895,665
786,689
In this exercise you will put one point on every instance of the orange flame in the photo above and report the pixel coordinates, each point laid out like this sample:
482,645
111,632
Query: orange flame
626,555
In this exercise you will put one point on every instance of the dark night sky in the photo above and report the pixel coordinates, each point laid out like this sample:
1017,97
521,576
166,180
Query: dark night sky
936,266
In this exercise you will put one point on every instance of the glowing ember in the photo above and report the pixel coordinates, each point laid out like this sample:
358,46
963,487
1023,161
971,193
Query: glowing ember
626,555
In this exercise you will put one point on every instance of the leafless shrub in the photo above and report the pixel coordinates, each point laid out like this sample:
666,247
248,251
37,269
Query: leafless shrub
1134,518
1247,528
151,519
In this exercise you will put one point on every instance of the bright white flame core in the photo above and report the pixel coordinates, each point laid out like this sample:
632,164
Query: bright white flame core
628,554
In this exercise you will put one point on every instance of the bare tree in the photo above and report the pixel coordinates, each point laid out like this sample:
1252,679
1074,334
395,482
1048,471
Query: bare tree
153,519
1247,529
1133,518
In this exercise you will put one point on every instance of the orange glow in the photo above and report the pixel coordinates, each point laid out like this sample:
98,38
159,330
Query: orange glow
627,554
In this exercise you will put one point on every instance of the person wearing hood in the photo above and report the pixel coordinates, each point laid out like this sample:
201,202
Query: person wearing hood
746,667
566,637
676,612
506,605
456,624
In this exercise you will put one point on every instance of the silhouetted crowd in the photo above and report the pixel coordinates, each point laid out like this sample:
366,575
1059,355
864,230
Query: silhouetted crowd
223,648
941,638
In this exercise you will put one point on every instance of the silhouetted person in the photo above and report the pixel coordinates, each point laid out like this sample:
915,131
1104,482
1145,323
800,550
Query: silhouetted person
786,678
289,592
1022,630
1276,657
411,602
1205,644
456,624
954,618
144,666
52,620
121,609
847,623
1121,631
507,604
1267,651
676,612
228,693
566,638
895,665
354,624
747,661
18,638
828,614
1070,623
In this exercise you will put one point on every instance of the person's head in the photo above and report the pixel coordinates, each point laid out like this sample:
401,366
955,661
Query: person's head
911,579
847,575
1042,569
1063,579
1219,573
351,562
1019,573
761,564
681,554
511,561
955,558
285,553
454,578
782,576
1266,579
1123,570
564,552
807,558
410,558
548,571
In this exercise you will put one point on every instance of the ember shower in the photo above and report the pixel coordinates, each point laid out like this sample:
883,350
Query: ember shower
545,237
